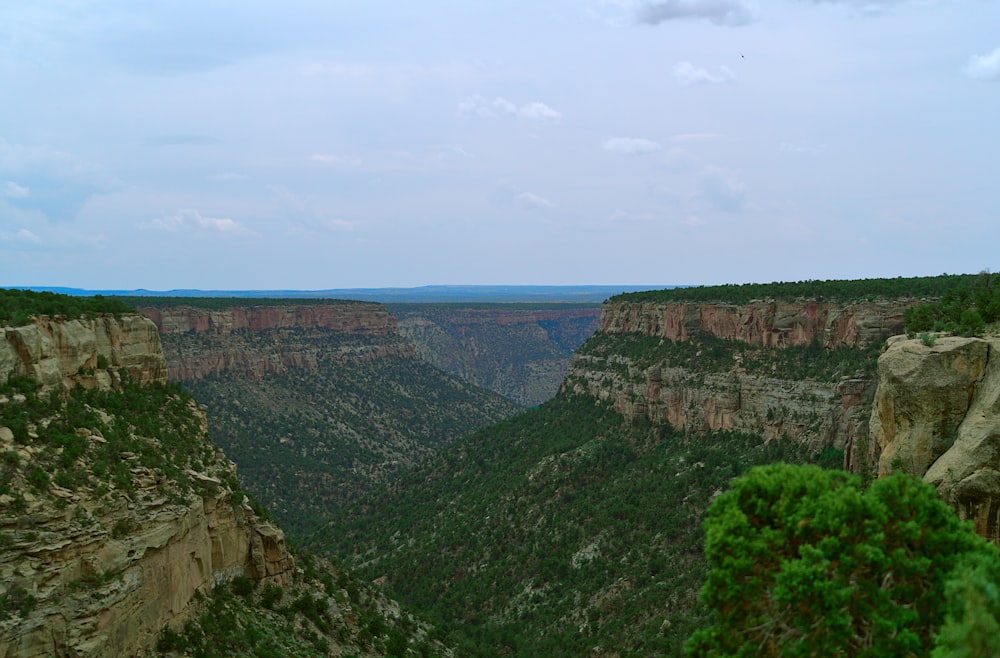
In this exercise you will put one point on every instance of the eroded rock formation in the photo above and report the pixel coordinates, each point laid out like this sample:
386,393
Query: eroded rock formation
60,353
814,412
767,323
107,567
937,415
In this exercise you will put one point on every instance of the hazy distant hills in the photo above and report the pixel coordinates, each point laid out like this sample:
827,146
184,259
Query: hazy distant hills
456,293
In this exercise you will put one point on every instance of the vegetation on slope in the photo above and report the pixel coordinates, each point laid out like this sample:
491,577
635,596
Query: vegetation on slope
311,440
18,306
843,291
559,531
706,353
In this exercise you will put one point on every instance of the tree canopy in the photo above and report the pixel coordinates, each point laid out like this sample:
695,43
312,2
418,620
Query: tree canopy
804,561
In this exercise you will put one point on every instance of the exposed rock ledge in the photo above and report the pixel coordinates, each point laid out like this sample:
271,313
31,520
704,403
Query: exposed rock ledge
60,353
937,415
767,323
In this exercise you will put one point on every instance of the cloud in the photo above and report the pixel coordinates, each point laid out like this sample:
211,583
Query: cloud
12,190
533,201
188,219
984,67
303,215
722,190
53,183
480,107
720,12
23,236
688,74
336,160
630,145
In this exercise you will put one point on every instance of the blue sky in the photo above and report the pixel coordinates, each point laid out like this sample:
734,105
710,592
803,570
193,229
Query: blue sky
321,144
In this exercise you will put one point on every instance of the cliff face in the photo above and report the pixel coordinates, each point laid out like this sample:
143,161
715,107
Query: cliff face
763,323
747,393
59,353
520,353
936,415
104,548
201,342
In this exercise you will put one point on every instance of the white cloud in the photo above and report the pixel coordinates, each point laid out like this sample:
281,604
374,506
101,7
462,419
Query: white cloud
189,219
694,221
533,201
723,190
984,67
479,106
336,160
12,190
537,110
23,236
719,12
688,74
630,145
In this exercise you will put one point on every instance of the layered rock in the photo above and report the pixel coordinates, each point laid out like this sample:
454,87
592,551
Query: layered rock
60,353
937,415
107,567
520,353
257,340
744,397
766,323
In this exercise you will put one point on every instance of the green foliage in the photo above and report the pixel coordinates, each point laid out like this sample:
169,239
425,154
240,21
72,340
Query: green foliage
971,628
803,558
836,290
704,353
336,430
558,530
966,308
16,601
18,306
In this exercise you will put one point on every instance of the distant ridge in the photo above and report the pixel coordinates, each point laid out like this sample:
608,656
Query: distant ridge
426,294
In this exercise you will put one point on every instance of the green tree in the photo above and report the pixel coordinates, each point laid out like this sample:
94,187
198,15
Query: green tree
804,561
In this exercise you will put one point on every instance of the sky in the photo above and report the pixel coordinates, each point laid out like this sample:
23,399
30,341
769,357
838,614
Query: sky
315,144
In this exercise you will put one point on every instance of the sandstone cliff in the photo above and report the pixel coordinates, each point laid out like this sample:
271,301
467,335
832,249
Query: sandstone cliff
59,353
936,415
114,512
200,342
752,371
766,323
520,352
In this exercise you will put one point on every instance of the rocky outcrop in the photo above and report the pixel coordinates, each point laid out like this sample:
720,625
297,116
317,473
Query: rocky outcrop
257,340
937,415
766,323
104,565
60,353
350,317
520,353
744,397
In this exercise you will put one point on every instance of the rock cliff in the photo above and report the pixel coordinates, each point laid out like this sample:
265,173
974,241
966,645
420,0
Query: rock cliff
766,323
750,368
58,353
115,510
200,342
521,352
936,415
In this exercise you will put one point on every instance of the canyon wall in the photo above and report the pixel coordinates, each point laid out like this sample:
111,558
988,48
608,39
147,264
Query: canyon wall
60,353
747,395
257,340
104,567
765,323
936,415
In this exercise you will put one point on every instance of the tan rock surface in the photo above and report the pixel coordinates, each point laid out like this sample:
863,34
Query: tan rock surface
60,353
